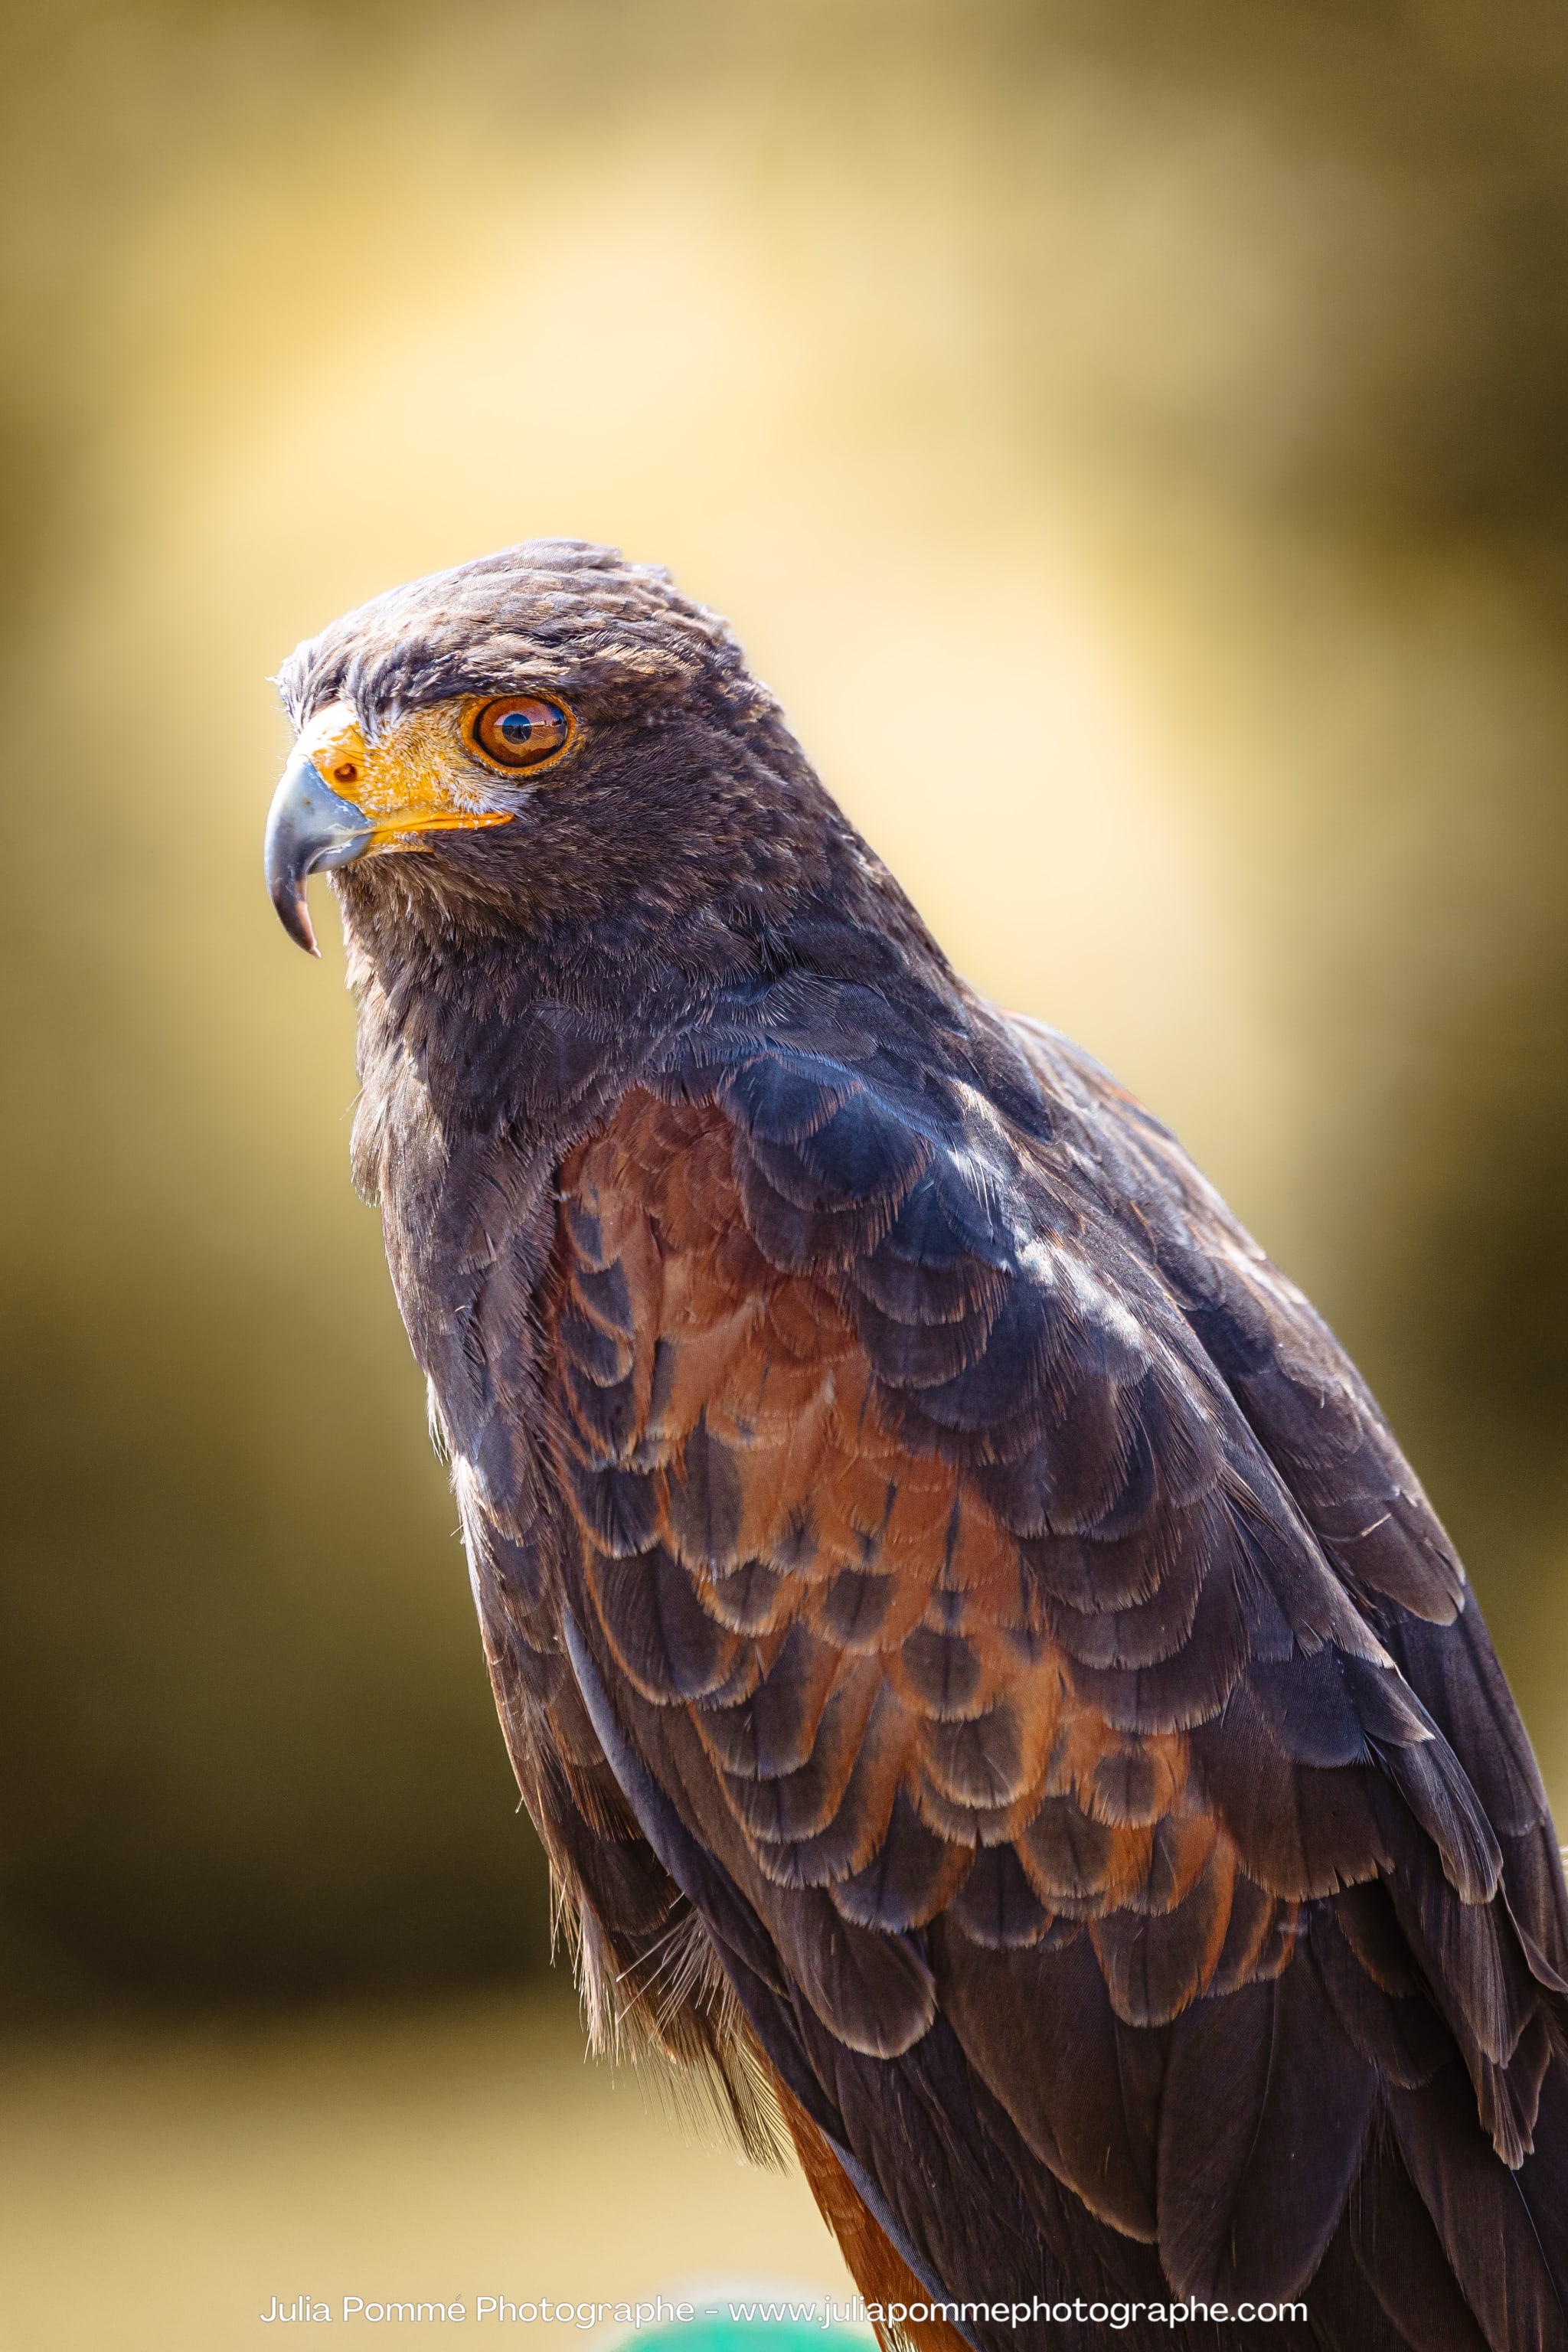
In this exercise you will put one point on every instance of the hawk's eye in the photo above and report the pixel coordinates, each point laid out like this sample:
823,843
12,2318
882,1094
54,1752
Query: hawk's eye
521,730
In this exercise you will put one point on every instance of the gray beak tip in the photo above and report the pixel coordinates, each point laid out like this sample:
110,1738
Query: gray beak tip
294,913
308,830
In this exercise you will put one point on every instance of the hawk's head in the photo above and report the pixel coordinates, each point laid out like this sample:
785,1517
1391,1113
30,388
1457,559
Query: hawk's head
547,738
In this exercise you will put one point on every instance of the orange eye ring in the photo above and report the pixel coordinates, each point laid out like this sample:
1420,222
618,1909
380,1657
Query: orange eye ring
520,734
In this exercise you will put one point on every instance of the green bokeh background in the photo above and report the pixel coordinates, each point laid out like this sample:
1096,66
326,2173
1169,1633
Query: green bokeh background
748,2336
1131,438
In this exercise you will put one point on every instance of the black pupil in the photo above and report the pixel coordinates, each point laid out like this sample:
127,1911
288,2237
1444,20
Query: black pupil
516,727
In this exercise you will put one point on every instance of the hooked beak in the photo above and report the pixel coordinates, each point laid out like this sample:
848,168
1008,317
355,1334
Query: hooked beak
308,829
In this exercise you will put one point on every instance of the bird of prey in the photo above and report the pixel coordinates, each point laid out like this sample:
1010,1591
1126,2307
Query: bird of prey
996,1701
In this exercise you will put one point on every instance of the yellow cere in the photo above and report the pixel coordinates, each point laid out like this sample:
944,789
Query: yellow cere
417,778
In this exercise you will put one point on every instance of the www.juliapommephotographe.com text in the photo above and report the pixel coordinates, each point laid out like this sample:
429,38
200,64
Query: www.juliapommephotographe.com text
564,2311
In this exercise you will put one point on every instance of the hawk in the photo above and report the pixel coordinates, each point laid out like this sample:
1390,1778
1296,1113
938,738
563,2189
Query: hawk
996,1701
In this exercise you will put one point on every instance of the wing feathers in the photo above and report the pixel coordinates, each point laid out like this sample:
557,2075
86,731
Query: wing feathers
1026,1633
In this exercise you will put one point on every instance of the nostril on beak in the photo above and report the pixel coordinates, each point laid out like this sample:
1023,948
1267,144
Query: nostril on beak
309,828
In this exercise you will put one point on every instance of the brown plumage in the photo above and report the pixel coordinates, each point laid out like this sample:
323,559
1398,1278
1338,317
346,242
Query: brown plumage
991,1688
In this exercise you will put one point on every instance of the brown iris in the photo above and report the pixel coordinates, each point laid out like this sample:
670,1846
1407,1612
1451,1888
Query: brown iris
521,731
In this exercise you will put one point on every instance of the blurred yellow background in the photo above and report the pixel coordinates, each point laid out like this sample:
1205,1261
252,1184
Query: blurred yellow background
1131,438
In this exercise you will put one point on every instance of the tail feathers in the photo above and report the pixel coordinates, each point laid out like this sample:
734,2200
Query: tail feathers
1544,2175
1441,2248
1502,2235
1395,2249
1265,2108
1347,2316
